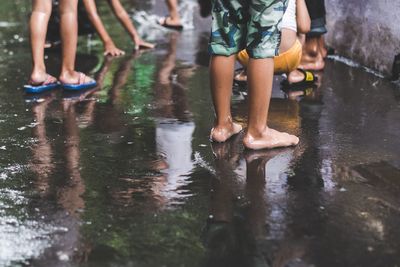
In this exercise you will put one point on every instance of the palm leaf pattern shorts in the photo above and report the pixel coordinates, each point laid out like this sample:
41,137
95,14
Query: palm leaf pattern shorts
250,24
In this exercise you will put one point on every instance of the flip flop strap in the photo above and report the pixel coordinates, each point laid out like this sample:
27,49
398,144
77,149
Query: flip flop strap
81,78
48,79
308,75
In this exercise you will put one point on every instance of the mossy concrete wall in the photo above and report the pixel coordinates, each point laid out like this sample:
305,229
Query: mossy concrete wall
367,31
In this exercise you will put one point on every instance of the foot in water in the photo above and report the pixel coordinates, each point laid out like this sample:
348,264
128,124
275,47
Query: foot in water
268,139
221,133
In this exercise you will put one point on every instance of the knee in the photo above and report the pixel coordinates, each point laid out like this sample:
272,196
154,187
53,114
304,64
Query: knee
43,7
68,7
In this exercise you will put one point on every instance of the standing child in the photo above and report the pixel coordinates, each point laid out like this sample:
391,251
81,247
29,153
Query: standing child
70,79
253,25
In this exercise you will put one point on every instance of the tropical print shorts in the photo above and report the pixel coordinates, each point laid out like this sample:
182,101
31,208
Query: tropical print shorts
246,24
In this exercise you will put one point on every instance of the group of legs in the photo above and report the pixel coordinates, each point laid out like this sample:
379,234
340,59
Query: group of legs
40,80
41,11
261,34
260,66
262,42
297,52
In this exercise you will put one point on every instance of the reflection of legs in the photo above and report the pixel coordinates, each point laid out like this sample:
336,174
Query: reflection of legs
226,160
221,75
42,154
255,193
41,10
164,91
223,235
69,37
70,196
258,134
120,79
101,74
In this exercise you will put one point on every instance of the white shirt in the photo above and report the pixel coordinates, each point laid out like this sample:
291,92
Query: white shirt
289,18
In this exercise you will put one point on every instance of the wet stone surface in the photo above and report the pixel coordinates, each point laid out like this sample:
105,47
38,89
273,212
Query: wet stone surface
125,175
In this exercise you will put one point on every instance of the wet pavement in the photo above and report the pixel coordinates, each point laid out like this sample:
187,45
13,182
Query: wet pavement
125,175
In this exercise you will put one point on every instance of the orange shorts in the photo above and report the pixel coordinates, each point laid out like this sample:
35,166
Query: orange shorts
284,63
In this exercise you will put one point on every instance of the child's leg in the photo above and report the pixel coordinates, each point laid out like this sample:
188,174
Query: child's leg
175,19
125,20
41,11
69,38
262,45
227,39
221,74
258,135
109,46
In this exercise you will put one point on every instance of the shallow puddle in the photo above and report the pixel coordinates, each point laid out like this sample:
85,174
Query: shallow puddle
125,175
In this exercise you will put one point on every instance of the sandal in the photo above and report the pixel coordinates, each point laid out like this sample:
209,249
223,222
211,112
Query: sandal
80,85
163,22
35,88
309,78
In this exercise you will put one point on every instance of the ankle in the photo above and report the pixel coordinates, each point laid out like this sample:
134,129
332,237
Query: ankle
223,123
38,75
66,74
39,69
256,132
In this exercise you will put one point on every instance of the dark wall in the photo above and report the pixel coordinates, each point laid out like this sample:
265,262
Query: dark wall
367,31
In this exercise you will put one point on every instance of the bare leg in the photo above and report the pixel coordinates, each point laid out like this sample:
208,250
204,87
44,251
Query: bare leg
221,70
313,54
258,135
173,11
41,10
125,20
69,38
174,18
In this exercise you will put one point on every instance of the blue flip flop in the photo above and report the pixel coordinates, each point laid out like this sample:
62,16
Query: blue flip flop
80,85
33,88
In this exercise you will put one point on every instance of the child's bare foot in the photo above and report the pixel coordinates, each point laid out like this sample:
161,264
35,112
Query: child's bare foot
268,139
224,132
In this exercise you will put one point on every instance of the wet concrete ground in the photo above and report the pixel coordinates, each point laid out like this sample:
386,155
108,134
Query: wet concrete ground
126,176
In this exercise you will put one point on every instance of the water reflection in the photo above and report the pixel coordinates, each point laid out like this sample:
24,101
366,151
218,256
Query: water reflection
174,128
42,163
247,187
66,190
